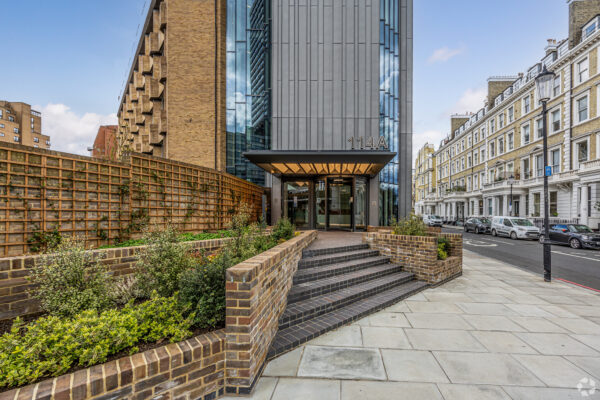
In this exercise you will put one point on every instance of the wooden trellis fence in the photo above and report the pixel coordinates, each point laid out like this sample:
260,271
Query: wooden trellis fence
43,191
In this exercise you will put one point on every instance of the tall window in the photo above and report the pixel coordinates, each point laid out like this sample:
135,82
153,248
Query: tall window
539,128
492,126
492,149
511,141
511,114
539,164
525,136
476,158
582,70
553,204
526,105
16,138
501,121
582,151
555,160
582,109
526,171
536,204
501,146
556,87
482,155
555,120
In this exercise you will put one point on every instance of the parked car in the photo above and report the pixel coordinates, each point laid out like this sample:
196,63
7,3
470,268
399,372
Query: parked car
478,225
432,220
575,235
515,228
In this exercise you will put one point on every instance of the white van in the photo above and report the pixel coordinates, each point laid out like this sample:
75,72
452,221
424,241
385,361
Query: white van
515,228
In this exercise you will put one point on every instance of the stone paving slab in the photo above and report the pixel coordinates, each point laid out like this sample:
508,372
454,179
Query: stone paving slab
495,333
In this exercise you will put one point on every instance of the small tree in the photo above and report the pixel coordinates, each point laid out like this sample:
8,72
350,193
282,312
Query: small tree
410,226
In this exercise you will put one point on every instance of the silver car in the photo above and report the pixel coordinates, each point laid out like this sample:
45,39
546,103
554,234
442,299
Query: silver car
515,228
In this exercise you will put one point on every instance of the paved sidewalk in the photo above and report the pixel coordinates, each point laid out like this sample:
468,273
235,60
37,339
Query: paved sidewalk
497,332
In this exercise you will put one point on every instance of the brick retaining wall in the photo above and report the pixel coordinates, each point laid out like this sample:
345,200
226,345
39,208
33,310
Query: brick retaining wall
256,297
418,254
192,369
14,287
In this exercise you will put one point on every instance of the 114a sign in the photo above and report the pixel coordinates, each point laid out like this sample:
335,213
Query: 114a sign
368,143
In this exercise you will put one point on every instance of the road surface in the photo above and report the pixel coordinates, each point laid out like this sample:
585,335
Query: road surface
580,266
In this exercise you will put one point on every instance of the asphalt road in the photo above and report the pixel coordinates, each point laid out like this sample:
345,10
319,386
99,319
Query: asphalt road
580,266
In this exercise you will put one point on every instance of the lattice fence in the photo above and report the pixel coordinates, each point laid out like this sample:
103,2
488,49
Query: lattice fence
100,201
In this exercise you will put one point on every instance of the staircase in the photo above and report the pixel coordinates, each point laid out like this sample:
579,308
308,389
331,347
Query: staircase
335,286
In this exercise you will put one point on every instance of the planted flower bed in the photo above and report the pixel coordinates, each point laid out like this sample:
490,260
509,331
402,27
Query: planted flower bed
432,256
92,316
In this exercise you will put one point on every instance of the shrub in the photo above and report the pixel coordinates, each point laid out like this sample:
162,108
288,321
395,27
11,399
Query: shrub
202,292
52,345
125,289
44,241
443,248
283,229
70,281
161,263
411,226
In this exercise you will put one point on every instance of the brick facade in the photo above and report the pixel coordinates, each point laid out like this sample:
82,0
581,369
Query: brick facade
191,369
14,297
20,124
256,297
418,254
173,104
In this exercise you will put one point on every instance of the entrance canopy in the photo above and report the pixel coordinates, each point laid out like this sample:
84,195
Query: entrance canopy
293,162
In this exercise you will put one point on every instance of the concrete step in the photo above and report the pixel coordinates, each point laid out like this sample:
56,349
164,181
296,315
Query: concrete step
310,308
318,287
325,271
295,335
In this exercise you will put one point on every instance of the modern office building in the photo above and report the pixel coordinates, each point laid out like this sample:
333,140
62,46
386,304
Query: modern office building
492,161
312,99
22,125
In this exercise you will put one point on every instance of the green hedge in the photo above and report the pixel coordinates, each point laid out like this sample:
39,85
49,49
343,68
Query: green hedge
50,346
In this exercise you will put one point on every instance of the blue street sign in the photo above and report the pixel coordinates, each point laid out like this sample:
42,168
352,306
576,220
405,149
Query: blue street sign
548,170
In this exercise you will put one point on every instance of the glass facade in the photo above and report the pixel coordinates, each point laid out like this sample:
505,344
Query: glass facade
389,71
247,99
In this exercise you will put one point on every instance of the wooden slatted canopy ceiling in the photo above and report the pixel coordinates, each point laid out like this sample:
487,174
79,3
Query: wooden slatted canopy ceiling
291,162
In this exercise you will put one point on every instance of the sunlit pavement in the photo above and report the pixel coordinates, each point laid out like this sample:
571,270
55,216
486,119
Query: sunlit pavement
497,332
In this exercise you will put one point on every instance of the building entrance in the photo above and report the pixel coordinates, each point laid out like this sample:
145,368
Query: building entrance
329,203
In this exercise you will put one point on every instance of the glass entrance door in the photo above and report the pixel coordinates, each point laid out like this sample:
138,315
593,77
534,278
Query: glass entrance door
339,203
360,203
296,200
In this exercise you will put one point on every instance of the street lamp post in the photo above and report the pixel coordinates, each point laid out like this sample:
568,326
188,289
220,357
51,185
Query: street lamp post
543,83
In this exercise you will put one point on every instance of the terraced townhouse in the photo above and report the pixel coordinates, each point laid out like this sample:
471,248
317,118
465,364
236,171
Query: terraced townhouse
497,152
424,177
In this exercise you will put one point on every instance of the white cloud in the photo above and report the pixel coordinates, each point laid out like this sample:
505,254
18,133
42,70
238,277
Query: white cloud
70,132
472,100
444,54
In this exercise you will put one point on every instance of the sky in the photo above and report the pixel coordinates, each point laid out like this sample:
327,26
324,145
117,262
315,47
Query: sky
70,58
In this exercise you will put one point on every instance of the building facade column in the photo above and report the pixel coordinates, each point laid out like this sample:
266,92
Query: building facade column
583,206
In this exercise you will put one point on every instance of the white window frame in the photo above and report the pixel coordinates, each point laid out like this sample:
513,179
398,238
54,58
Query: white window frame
552,112
523,142
511,114
582,75
576,151
539,129
559,78
523,111
577,100
501,120
510,146
551,161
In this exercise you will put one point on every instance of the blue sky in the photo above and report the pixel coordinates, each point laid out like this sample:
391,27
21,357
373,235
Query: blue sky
69,58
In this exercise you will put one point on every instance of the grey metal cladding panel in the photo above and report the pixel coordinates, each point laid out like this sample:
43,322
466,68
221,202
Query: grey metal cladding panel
285,22
337,21
328,99
327,135
362,94
362,21
374,31
374,61
349,96
348,24
328,41
301,108
337,133
301,132
338,63
314,131
314,43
